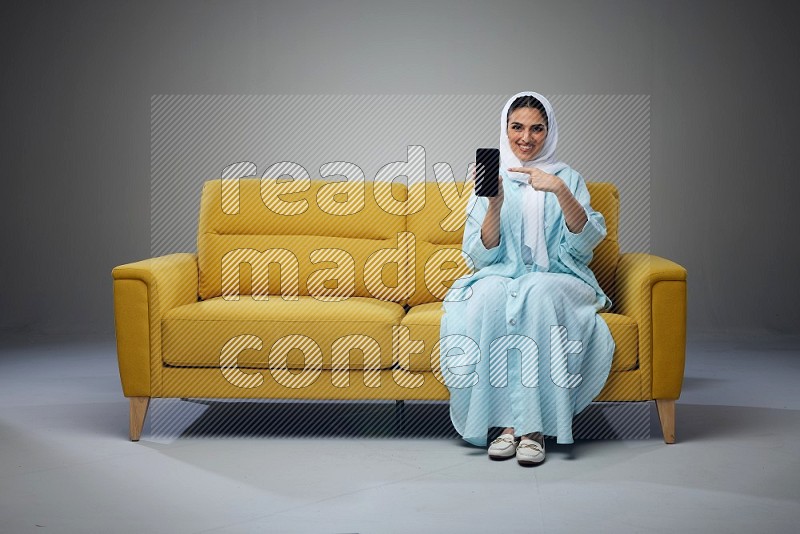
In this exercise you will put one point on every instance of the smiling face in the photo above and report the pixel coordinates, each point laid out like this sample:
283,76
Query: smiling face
527,131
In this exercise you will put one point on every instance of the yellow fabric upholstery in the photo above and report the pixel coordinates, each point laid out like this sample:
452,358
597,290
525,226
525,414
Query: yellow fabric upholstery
395,384
132,323
317,218
174,316
194,334
309,265
142,292
438,229
652,291
625,332
605,199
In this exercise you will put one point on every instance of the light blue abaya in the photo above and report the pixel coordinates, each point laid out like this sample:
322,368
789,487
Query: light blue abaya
520,346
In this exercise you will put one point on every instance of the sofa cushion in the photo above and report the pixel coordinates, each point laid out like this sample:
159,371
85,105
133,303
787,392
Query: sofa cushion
195,334
423,323
625,332
256,214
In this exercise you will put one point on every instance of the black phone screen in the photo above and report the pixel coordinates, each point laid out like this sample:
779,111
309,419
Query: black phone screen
487,168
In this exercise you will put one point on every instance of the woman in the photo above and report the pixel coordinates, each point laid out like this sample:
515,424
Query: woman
522,345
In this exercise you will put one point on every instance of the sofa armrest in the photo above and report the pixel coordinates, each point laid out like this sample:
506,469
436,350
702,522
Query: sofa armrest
652,291
143,291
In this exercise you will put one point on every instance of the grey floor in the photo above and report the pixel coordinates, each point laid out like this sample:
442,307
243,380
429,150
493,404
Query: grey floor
66,464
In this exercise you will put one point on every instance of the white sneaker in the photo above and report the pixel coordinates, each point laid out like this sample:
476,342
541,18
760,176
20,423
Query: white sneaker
503,447
530,452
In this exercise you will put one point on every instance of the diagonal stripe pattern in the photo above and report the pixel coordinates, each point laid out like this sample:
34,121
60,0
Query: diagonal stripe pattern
195,138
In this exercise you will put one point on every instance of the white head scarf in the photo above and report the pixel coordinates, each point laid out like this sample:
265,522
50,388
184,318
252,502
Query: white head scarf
533,200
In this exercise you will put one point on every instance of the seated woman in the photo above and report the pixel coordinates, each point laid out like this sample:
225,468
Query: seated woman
533,351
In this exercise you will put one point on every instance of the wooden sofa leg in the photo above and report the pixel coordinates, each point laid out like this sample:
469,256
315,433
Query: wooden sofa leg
138,412
666,415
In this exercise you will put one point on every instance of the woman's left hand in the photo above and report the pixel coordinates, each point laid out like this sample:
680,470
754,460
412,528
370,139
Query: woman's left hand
540,180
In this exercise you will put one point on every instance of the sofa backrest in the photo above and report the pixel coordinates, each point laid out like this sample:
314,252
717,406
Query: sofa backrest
439,229
605,199
307,232
333,240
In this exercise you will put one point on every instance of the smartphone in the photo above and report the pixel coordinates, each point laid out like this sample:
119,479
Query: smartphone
487,169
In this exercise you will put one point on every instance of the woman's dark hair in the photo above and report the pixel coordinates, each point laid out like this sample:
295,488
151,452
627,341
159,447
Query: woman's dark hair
528,101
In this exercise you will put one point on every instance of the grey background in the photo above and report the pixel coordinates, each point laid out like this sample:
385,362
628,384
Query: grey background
79,77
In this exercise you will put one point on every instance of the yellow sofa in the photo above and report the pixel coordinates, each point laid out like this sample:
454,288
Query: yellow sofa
319,290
